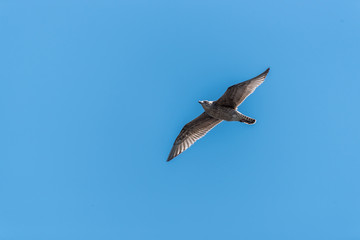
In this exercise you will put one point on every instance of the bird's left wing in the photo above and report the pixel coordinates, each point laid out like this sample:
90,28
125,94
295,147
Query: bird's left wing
237,93
191,132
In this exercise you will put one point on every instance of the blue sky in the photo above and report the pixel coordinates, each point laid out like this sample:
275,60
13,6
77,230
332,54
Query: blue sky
93,94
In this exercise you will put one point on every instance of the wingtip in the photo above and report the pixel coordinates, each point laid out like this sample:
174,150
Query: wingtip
264,74
169,158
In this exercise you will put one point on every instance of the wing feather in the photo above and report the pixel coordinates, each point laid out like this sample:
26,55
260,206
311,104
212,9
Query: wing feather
192,132
237,93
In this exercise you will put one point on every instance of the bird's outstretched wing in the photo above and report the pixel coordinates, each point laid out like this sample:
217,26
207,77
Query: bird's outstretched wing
191,132
237,93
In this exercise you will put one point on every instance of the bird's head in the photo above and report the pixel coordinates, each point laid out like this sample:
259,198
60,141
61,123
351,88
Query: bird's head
205,103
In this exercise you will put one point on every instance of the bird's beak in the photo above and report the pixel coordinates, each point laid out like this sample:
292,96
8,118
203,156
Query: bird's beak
200,102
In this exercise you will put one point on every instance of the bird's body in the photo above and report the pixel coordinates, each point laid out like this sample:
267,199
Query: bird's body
225,113
225,108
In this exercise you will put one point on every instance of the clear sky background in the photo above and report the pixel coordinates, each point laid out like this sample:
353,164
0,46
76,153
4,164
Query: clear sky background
94,93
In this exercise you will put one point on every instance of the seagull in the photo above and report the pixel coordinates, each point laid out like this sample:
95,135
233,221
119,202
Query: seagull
225,108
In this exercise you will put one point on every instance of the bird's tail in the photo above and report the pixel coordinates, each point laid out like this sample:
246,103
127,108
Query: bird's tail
247,120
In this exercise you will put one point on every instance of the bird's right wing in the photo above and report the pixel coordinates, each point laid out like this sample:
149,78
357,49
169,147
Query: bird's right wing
191,132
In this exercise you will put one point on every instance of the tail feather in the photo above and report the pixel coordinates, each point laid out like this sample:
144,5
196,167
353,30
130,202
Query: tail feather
247,120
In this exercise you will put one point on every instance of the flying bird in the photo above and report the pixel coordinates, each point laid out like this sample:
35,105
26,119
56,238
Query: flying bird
225,108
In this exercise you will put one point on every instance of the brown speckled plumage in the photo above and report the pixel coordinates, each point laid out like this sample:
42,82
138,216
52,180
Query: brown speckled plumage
225,108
